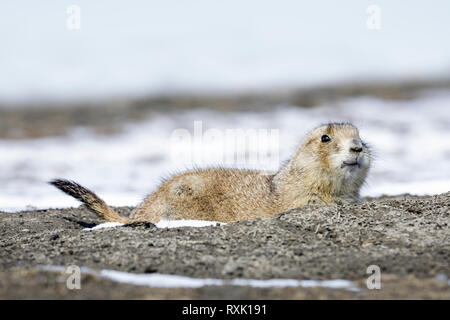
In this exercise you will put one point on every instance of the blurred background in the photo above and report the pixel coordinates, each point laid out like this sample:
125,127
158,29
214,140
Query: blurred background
94,90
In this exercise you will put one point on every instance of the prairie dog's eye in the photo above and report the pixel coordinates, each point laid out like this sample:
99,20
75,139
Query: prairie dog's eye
326,138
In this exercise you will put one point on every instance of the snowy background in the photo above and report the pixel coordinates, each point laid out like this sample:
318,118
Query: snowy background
140,48
409,139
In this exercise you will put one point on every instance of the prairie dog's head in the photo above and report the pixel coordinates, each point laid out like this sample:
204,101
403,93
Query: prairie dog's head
337,155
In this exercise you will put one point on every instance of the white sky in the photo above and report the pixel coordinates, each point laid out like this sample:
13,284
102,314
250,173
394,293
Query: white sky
139,47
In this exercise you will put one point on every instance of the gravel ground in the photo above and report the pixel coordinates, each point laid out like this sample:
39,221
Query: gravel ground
406,236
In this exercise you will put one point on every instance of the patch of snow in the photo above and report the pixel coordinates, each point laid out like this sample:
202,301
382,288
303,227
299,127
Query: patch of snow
174,281
414,188
334,284
105,225
187,223
159,280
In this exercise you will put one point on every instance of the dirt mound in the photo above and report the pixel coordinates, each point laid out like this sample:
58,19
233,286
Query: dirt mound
406,236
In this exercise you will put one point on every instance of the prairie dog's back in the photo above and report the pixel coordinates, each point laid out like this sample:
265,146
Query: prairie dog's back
211,194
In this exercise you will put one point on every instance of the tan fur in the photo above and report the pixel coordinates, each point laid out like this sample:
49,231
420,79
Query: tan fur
316,174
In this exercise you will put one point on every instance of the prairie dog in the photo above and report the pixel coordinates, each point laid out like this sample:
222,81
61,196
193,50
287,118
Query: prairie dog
329,167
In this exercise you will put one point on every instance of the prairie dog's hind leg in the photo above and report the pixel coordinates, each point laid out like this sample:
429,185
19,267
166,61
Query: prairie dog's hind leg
176,199
188,197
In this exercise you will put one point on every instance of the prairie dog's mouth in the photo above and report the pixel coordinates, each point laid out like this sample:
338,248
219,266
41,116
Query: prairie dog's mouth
352,163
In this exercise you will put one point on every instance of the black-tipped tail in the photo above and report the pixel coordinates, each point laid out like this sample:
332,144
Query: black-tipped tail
89,198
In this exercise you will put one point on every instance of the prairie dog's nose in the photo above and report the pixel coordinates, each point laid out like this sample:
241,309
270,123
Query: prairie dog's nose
355,145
